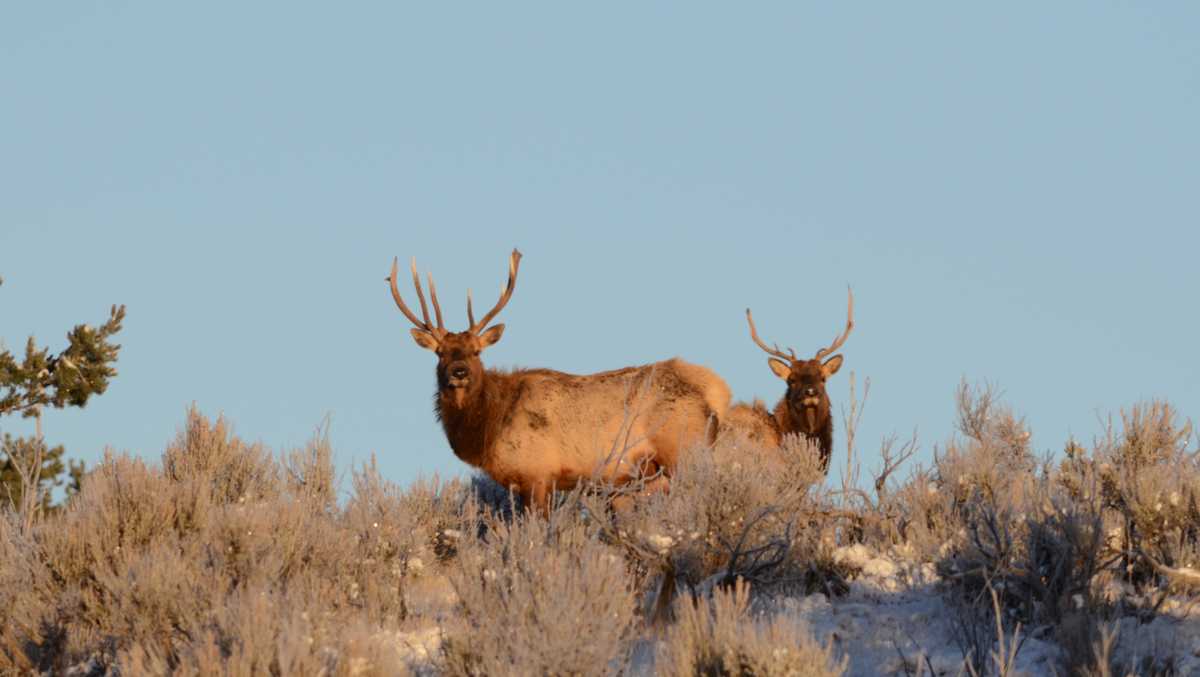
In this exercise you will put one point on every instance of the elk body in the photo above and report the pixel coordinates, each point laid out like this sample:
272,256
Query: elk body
804,409
539,430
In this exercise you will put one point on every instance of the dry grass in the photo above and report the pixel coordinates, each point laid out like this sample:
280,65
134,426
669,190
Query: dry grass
720,636
223,559
227,558
733,512
529,593
1107,532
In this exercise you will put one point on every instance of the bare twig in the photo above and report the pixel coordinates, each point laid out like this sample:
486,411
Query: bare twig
890,464
1005,655
756,561
850,422
29,471
1181,578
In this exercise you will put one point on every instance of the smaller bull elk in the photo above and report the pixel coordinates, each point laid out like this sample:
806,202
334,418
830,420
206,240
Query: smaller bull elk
805,408
538,430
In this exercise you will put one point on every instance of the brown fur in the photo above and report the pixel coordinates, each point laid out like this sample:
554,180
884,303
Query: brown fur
539,430
804,409
755,421
768,427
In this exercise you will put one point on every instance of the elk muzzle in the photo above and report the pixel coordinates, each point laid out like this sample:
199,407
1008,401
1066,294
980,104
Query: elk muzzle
808,401
458,380
809,398
458,375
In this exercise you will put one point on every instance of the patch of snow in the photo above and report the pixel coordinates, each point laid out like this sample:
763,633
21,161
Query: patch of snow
661,544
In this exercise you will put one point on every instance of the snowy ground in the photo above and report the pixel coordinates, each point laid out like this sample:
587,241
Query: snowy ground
893,621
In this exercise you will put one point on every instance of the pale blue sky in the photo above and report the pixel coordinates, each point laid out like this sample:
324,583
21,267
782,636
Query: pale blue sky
1012,190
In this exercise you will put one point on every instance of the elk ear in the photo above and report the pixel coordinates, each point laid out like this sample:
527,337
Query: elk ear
425,339
490,336
831,366
782,369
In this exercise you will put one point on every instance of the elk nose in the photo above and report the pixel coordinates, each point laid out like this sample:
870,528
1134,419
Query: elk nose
459,372
810,391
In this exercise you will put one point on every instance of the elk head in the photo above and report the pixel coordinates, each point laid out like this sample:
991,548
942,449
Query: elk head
806,401
459,369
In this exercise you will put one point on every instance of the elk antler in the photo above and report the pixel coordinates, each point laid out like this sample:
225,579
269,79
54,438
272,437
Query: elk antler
849,325
437,309
514,262
440,329
776,351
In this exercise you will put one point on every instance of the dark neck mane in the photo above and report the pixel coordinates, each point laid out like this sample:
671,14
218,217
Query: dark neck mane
470,429
786,423
783,418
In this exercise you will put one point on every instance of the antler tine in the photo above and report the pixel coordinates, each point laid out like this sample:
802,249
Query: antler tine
837,343
437,308
514,263
420,294
400,300
470,313
754,335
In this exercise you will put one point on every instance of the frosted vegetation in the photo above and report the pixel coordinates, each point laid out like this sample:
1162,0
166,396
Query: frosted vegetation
225,558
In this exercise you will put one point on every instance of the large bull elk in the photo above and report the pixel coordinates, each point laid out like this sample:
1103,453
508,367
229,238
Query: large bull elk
804,409
539,430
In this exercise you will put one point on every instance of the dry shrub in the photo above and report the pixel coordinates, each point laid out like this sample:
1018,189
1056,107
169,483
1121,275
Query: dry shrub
1018,548
25,585
1115,654
921,515
1146,478
1042,561
260,631
154,597
540,596
400,535
720,636
1152,478
210,453
992,459
1049,540
981,483
987,466
1150,434
224,560
124,506
1036,570
734,510
309,472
